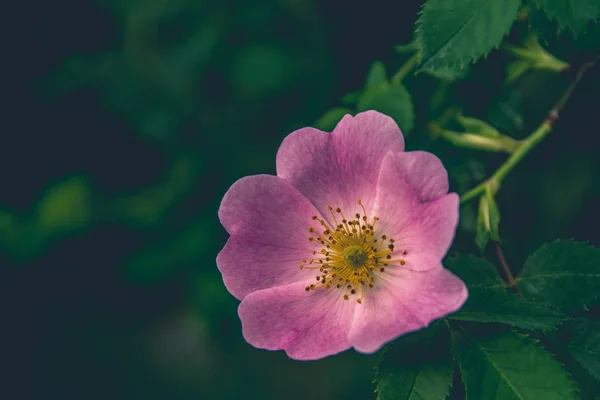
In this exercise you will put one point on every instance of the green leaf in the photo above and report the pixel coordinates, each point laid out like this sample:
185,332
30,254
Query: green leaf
474,271
585,345
499,306
330,119
417,366
391,99
454,33
376,75
511,366
574,15
563,274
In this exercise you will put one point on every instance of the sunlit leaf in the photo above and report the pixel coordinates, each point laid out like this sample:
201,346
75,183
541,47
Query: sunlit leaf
455,33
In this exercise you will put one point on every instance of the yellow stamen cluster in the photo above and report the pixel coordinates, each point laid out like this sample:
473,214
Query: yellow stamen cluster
353,253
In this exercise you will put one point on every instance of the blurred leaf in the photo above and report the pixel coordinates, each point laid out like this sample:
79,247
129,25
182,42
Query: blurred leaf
506,113
466,172
376,75
352,98
390,99
330,119
574,15
185,248
563,274
148,206
417,366
474,271
65,206
510,366
499,306
454,33
260,70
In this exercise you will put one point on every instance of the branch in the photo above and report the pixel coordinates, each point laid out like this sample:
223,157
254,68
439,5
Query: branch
530,142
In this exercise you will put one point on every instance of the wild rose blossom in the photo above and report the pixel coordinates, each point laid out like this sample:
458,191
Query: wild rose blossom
343,247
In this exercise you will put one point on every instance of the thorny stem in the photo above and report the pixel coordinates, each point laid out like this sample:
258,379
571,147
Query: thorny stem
509,276
529,143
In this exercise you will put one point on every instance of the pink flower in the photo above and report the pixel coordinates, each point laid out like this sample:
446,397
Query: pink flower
342,248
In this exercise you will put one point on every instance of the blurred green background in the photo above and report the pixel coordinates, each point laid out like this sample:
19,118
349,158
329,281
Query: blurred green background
125,121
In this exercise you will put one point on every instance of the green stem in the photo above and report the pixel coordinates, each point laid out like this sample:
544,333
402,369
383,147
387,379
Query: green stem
406,68
494,181
526,145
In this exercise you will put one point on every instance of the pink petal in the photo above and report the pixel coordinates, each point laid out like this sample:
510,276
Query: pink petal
361,143
405,302
268,220
339,169
423,230
307,325
425,173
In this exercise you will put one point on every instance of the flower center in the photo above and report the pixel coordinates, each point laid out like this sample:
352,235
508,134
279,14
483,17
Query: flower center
353,254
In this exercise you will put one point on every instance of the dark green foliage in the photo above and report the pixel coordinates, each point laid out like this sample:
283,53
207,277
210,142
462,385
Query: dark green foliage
574,15
417,367
474,271
564,274
499,306
510,365
584,344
